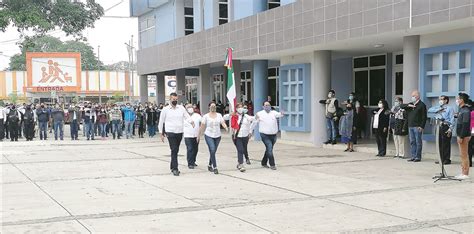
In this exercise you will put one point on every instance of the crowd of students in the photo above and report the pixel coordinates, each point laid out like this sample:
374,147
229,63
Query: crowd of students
402,120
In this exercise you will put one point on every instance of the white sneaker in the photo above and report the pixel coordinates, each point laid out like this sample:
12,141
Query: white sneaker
462,177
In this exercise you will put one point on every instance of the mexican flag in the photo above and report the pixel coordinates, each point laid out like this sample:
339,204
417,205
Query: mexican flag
231,93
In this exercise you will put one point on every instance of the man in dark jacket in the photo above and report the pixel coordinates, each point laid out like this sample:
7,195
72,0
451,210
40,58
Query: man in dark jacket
43,118
463,130
57,114
29,120
74,119
14,117
417,117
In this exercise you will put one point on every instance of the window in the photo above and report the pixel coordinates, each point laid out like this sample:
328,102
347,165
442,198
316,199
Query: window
245,85
399,59
188,17
273,87
273,4
294,91
369,78
223,12
191,89
146,31
218,84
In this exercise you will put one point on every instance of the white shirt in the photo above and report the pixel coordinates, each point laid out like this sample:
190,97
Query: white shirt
376,119
247,124
213,126
189,130
3,113
173,119
267,122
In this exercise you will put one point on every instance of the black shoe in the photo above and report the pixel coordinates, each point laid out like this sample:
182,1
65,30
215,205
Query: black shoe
378,155
273,168
266,166
194,164
216,171
333,142
346,150
411,160
209,168
437,162
248,161
191,167
447,162
175,172
327,142
417,160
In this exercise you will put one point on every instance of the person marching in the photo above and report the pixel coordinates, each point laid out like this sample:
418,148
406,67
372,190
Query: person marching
190,136
29,121
241,124
210,126
268,128
171,126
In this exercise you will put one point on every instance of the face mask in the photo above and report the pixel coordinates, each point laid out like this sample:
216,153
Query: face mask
351,98
102,110
458,102
267,108
441,102
413,99
212,108
240,110
13,107
174,103
246,111
380,105
397,104
349,108
42,106
330,95
190,110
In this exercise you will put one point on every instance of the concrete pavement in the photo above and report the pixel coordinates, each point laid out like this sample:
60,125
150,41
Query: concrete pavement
126,186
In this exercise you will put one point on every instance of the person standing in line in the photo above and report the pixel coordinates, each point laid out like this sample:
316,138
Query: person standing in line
116,118
14,117
129,119
445,114
89,117
3,119
151,120
102,120
29,121
141,121
332,105
471,142
417,117
171,126
43,118
210,126
463,130
380,127
347,127
74,118
399,127
268,128
241,124
57,114
191,133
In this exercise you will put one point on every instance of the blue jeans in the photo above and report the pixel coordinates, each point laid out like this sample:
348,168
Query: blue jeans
74,129
128,128
269,141
331,129
89,129
192,149
416,142
103,128
116,129
58,127
241,145
151,130
43,126
212,144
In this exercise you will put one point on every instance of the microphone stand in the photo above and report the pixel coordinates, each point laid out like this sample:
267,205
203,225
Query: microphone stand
443,175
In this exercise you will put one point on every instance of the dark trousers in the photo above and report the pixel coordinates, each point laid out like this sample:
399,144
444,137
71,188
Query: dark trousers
192,149
29,128
471,150
269,141
241,145
174,140
444,144
13,128
2,130
43,127
381,139
74,129
212,144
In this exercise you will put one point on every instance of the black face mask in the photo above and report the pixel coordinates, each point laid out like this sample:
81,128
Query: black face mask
42,106
349,108
13,107
174,103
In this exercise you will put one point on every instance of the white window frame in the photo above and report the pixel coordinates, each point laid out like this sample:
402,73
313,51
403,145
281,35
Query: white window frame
218,84
187,5
368,69
273,2
219,10
248,93
396,68
277,85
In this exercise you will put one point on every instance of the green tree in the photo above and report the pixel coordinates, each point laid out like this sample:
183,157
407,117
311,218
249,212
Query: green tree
52,44
41,16
13,97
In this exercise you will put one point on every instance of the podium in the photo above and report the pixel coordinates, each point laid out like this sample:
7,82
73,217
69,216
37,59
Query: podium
436,122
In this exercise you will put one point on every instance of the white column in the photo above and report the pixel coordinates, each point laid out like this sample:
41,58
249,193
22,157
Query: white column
181,84
160,88
204,87
320,85
143,88
411,48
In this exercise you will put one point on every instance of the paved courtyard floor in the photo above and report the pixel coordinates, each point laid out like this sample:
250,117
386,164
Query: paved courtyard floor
125,186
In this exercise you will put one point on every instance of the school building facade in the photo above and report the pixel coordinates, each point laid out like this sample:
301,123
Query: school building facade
293,51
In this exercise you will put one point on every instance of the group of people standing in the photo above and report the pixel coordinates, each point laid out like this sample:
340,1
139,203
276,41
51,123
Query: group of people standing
406,119
177,121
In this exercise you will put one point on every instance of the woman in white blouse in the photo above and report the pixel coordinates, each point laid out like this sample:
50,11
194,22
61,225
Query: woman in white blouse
241,126
211,126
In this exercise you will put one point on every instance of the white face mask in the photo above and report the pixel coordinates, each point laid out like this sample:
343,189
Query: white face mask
380,105
246,111
329,95
240,110
397,104
413,99
190,110
441,102
457,102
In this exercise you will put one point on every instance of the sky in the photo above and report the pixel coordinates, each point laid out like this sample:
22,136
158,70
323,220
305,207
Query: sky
109,33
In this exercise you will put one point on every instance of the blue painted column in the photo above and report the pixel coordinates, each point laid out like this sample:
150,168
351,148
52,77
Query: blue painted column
260,88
